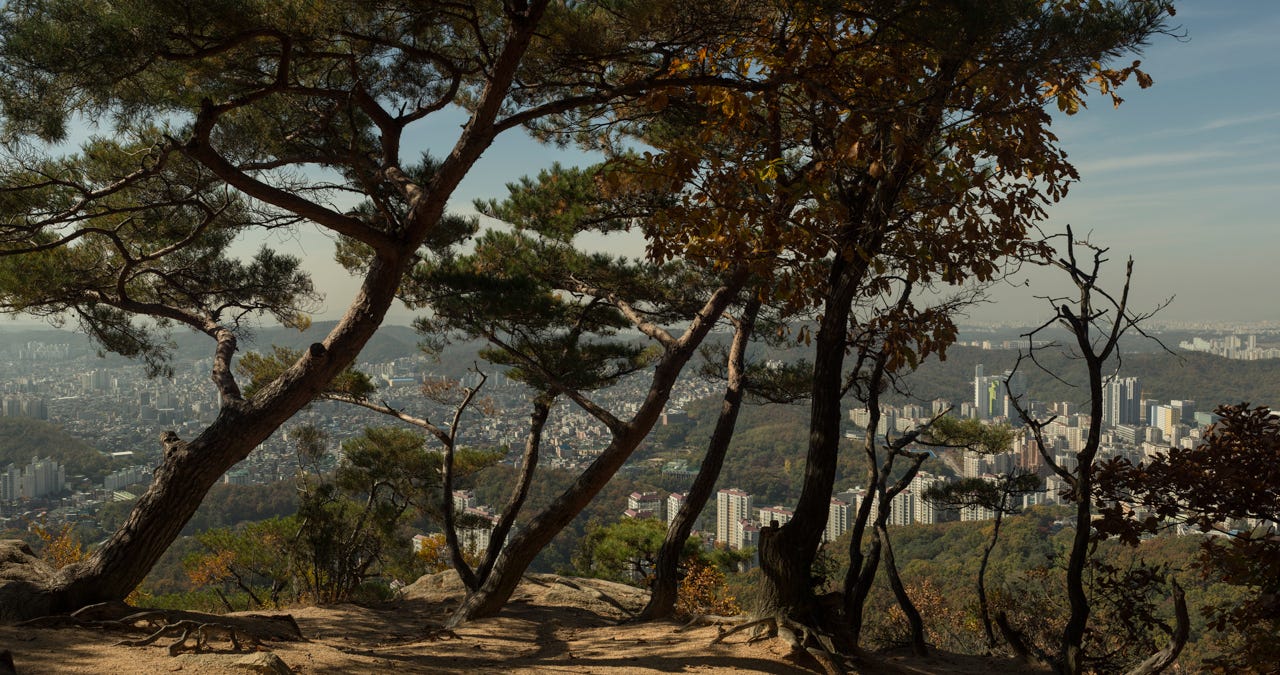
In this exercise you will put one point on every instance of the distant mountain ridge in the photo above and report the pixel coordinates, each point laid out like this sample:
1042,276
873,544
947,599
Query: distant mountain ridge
1209,380
1204,378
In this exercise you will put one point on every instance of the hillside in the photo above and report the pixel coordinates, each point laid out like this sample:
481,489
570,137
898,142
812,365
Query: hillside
22,438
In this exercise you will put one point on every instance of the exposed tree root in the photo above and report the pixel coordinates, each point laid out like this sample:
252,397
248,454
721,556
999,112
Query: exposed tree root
711,620
438,633
203,633
801,640
249,629
756,626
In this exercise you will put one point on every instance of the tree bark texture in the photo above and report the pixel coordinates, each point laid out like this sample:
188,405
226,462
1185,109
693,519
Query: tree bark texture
787,556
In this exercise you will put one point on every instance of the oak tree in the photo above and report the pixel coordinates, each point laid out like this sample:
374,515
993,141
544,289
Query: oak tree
1225,485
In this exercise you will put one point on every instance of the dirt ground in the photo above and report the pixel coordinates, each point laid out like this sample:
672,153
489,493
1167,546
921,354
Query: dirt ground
553,625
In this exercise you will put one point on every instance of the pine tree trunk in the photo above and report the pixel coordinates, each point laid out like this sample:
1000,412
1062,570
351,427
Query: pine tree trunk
190,468
181,481
528,465
529,541
519,553
666,581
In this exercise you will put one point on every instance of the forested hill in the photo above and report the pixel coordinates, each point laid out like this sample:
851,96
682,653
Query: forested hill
1206,379
22,438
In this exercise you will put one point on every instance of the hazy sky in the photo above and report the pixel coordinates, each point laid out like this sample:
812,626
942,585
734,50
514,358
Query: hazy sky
1185,176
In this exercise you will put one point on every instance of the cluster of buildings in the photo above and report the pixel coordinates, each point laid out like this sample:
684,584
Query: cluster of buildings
126,477
124,412
474,522
40,478
24,405
996,396
1243,348
1131,426
739,520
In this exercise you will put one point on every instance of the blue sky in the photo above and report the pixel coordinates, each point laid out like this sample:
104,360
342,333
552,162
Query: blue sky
1184,176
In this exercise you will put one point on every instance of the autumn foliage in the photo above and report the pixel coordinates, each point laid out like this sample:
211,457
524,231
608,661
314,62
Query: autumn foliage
703,591
62,546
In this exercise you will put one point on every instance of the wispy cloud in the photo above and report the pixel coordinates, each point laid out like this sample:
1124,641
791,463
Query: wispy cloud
1151,160
1225,122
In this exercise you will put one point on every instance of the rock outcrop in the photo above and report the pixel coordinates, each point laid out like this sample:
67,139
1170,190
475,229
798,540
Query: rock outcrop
23,580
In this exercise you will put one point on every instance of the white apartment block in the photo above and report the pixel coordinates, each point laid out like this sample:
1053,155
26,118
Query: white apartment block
674,501
771,514
732,505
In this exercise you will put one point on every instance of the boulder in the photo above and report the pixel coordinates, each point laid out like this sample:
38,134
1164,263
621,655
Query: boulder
263,662
24,579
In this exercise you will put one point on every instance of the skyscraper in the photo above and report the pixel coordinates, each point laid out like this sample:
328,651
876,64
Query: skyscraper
1121,402
839,516
993,395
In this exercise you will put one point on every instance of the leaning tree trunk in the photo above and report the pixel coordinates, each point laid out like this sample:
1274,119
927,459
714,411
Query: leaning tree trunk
666,582
517,555
190,468
900,592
